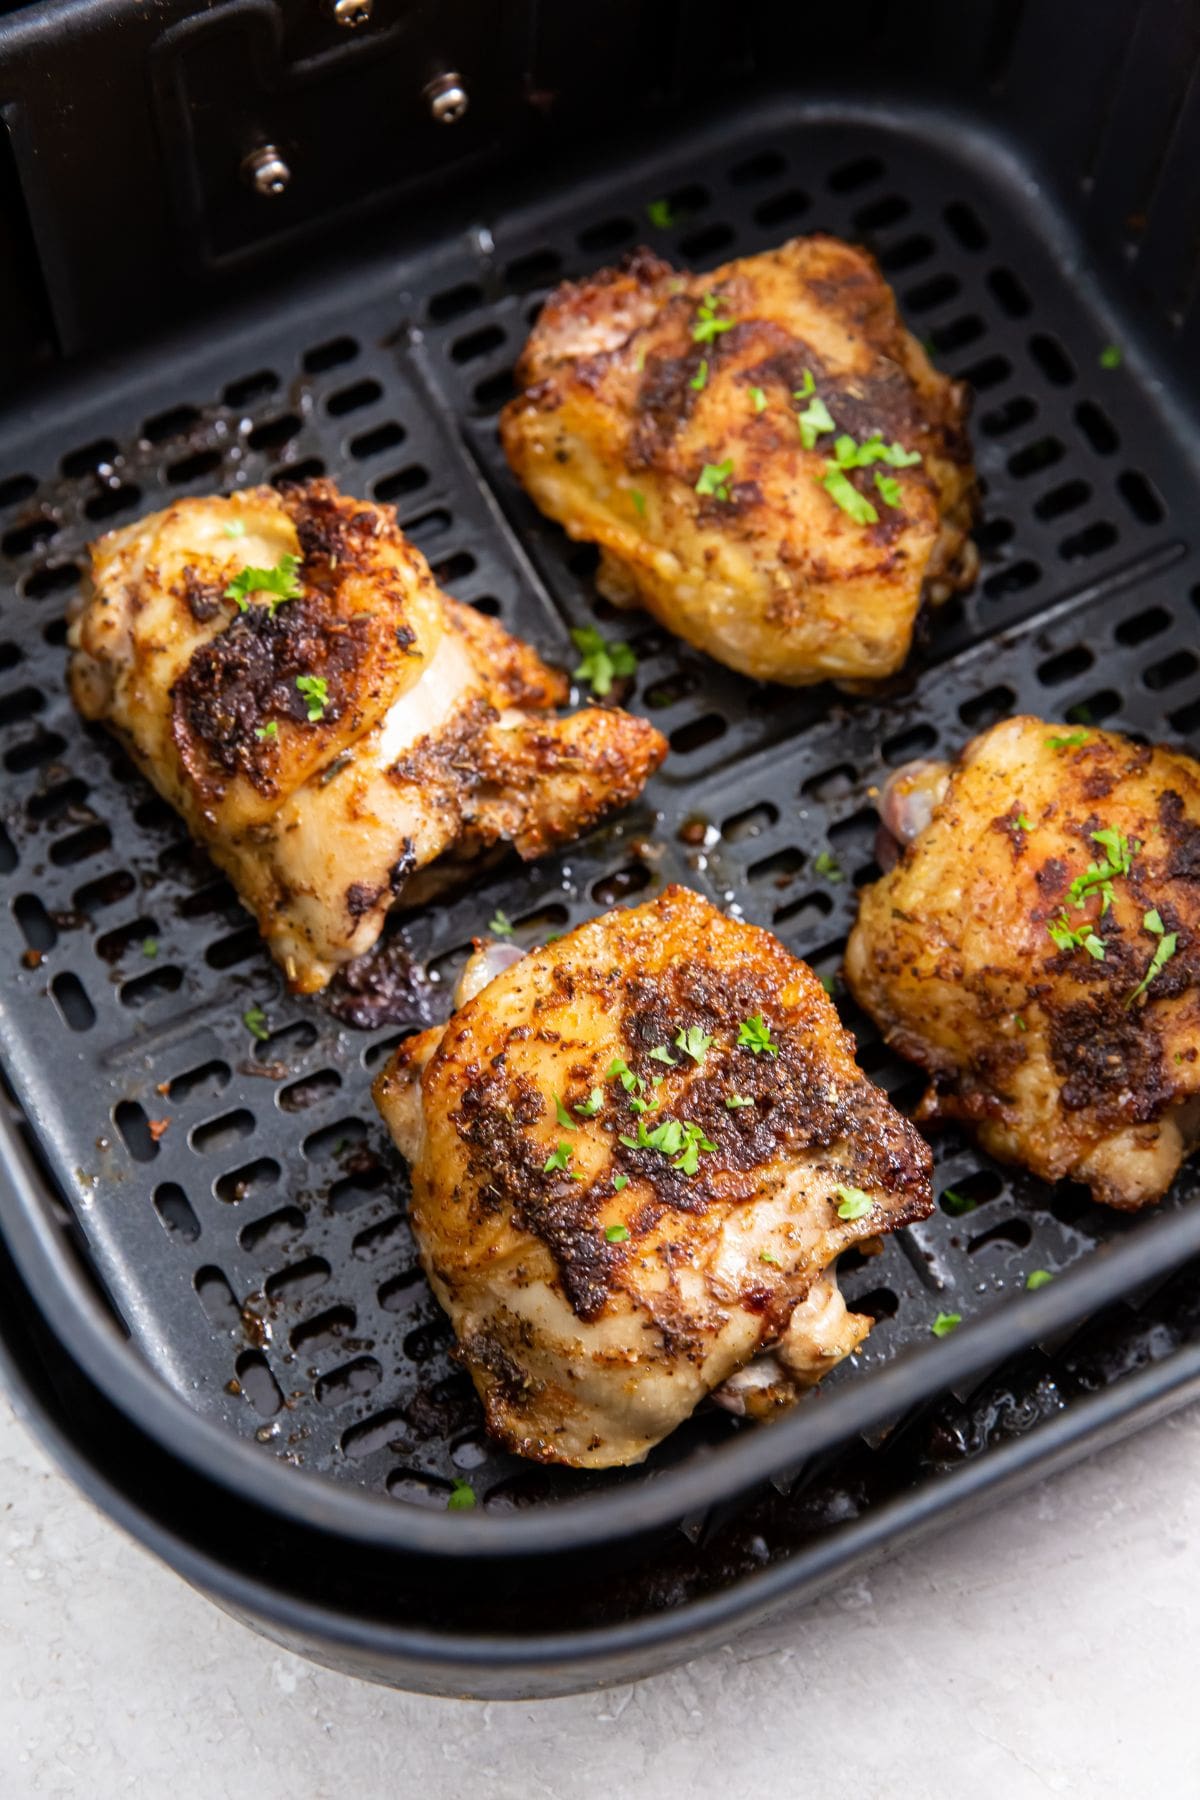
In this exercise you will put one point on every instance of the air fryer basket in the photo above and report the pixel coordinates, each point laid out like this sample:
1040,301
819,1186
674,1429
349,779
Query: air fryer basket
234,1204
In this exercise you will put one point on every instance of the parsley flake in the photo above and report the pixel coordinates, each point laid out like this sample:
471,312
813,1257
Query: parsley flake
150,946
958,1205
852,1202
755,1034
699,380
1071,742
1110,356
661,1054
828,866
1038,1278
558,1159
1099,876
1024,822
661,214
945,1323
759,398
694,1141
601,661
714,480
1167,943
816,417
500,925
236,528
619,1070
766,1257
280,582
1084,938
693,1042
591,1106
843,493
889,488
615,1234
563,1116
269,730
639,502
708,326
462,1497
315,690
1019,1022
733,1101
619,1182
255,1021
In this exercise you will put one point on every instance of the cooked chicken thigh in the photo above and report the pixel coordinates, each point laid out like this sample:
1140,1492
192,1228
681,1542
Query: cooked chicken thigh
635,1155
765,455
1037,950
285,670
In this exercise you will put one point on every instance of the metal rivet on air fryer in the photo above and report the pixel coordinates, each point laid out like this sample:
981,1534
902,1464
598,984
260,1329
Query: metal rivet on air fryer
266,170
448,98
350,12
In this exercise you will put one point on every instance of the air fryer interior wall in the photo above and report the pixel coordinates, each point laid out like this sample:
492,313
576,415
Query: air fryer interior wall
255,1249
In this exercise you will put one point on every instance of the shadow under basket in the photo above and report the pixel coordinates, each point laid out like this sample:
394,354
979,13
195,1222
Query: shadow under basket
210,1301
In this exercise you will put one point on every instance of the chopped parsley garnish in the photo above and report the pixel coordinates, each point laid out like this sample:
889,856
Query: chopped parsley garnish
708,325
694,1141
588,1108
1071,742
1099,876
601,661
714,480
558,1159
850,455
462,1497
1084,938
269,730
563,1116
852,1202
1167,944
1019,1022
619,1070
827,865
766,1256
280,582
945,1323
661,214
1110,356
619,1182
1024,822
889,488
816,416
759,399
843,493
682,1142
1038,1278
733,1101
616,1234
807,386
236,528
639,362
255,1021
661,1054
699,380
500,925
957,1205
693,1042
639,502
150,946
315,690
755,1034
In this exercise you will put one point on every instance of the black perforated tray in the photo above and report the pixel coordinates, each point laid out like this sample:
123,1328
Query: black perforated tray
256,1250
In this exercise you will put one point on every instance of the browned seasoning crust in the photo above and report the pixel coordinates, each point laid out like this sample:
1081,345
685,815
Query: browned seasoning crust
1053,1055
622,407
522,1251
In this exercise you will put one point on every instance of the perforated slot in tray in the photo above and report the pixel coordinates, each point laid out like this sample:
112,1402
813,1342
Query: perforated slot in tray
238,1198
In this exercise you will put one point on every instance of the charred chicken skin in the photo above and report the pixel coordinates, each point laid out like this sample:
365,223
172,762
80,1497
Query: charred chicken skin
765,456
1037,950
636,1154
337,731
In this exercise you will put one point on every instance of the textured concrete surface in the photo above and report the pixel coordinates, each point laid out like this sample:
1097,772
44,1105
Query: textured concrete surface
1048,1648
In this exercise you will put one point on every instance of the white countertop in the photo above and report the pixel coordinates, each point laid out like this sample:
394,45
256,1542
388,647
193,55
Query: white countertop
1049,1647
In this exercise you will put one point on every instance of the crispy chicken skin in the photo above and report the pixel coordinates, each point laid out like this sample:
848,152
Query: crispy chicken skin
628,394
428,737
1057,1057
599,1290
